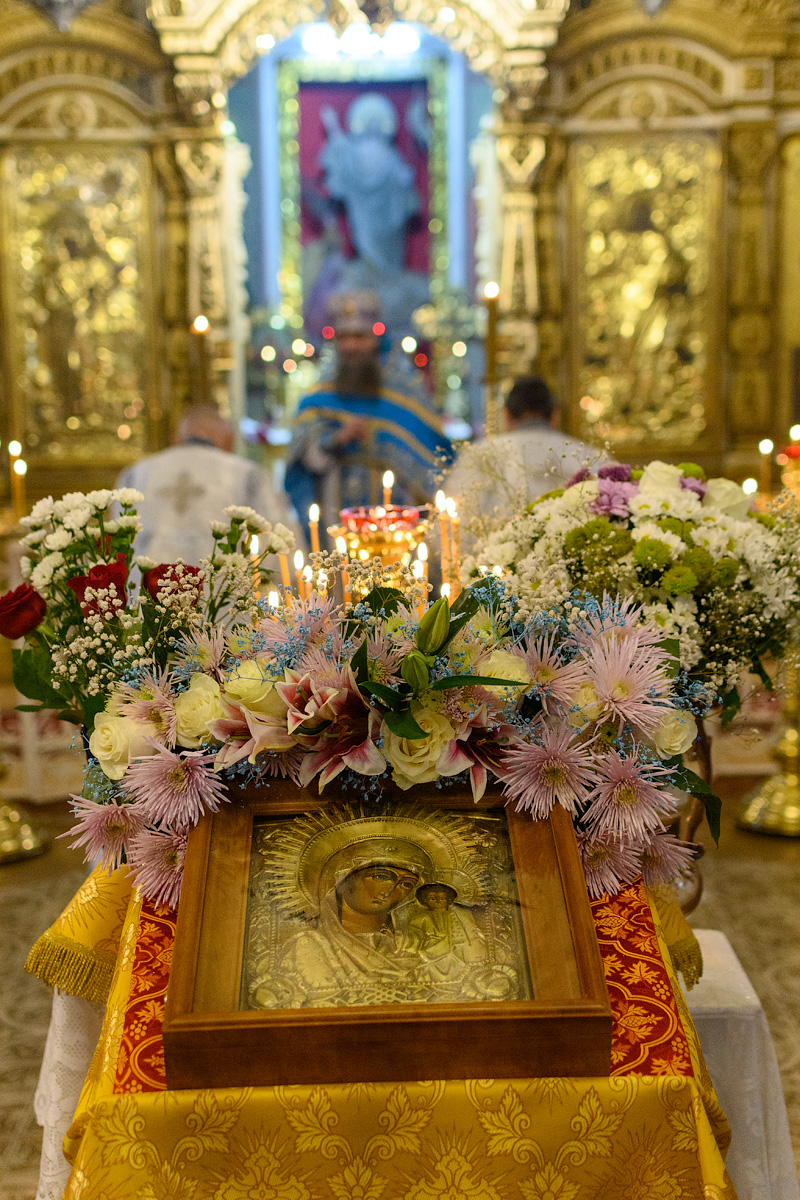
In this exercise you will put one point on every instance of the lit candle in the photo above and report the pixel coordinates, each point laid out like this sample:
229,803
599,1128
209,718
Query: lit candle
322,583
388,484
286,578
341,546
274,600
313,525
765,448
18,471
299,560
422,556
455,541
308,576
199,328
254,552
445,591
444,532
491,293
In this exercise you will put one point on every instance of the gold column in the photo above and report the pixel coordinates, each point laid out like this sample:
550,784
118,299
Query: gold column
550,356
751,147
775,806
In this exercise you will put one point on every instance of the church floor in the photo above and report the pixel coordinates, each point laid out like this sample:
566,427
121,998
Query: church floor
752,893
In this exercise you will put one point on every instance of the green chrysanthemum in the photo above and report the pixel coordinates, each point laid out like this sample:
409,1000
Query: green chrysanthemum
652,554
679,580
671,524
724,572
699,561
692,470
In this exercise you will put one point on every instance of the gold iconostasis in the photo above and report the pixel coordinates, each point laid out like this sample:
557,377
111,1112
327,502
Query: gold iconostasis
636,196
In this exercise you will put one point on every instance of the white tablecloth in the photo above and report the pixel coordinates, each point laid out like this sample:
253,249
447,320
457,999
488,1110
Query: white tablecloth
741,1060
729,1018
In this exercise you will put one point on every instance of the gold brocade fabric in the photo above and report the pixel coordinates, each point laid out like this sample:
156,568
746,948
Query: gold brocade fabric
631,1137
684,948
78,953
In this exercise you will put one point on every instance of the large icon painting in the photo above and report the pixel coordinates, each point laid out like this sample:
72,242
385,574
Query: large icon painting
364,191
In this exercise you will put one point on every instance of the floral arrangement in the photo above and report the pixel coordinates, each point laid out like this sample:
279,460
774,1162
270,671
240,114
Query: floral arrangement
719,579
195,683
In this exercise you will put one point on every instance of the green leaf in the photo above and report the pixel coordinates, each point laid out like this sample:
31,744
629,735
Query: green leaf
465,602
453,681
455,628
384,599
387,695
692,783
360,663
758,669
731,703
404,725
32,669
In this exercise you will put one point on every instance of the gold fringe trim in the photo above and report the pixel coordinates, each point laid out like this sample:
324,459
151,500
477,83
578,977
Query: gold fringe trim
74,968
687,958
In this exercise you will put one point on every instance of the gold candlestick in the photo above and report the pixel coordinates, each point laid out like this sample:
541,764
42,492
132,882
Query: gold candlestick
491,292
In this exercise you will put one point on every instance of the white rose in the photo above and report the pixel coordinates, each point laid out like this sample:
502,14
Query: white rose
504,665
195,709
660,477
252,684
675,733
586,707
728,497
580,495
413,760
116,740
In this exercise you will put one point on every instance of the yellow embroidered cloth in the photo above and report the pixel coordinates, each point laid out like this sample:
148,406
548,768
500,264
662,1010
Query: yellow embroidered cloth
78,953
623,1138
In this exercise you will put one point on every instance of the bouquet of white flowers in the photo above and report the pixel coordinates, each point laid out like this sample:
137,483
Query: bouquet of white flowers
719,579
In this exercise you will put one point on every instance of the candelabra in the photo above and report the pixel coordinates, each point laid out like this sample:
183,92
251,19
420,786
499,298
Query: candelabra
391,533
774,807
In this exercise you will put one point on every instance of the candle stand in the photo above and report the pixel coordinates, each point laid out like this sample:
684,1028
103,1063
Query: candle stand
774,807
391,534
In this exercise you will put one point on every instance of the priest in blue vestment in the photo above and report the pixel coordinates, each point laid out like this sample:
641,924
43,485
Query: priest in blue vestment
362,420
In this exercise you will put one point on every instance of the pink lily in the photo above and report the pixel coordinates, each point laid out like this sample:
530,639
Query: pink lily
307,701
246,734
478,749
349,741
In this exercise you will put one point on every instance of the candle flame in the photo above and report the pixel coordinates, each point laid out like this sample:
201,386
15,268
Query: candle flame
20,467
308,574
273,599
446,591
417,569
298,560
491,291
450,505
200,324
794,434
15,449
422,552
254,546
313,514
766,446
440,500
341,545
388,479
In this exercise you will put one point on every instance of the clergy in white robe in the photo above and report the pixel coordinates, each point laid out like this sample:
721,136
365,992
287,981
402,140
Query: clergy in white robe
188,485
498,476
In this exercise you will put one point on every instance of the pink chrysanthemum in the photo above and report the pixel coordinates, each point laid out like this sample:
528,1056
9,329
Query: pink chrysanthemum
629,681
384,657
105,830
617,620
557,771
626,802
151,702
556,682
175,789
664,857
206,649
156,857
608,867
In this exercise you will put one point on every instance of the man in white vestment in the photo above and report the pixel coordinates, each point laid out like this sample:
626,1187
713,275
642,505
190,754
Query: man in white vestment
188,485
500,475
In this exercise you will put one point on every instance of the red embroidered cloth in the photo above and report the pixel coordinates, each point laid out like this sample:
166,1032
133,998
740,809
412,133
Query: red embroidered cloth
648,1037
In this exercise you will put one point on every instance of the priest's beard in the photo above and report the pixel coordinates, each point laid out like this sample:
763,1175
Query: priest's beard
358,376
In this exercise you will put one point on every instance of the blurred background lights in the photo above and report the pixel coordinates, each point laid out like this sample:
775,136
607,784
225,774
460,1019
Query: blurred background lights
227,128
268,353
459,349
447,15
289,366
454,382
400,39
379,329
766,446
124,432
299,346
277,322
20,467
409,344
265,41
491,291
359,41
320,41
328,332
15,448
794,433
200,324
750,487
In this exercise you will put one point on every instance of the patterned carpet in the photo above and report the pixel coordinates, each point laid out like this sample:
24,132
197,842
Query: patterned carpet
752,893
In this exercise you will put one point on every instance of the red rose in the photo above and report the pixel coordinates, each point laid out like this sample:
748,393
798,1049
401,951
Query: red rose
188,577
21,611
101,578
